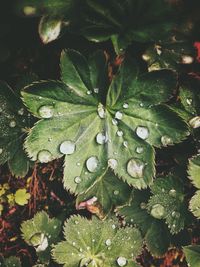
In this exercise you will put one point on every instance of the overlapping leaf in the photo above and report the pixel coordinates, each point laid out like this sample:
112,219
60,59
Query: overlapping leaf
194,175
40,232
97,243
14,121
95,133
192,254
154,231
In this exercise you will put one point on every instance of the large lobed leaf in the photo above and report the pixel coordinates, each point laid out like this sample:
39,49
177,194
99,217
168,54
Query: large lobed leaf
97,243
97,133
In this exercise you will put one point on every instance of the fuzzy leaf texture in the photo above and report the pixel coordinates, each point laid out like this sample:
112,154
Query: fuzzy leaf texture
97,243
41,232
192,254
96,134
155,232
10,262
14,121
194,175
167,202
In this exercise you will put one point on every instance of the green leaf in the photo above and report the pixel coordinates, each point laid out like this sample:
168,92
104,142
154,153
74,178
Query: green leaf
97,243
75,121
22,197
12,261
41,232
14,123
194,170
155,232
109,191
194,204
168,203
192,254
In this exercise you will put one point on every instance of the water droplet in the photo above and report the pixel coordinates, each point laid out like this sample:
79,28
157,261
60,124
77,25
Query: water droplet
135,168
101,111
114,122
1,150
142,132
175,214
186,59
118,115
166,140
116,192
119,133
125,143
125,105
49,139
46,111
195,122
139,149
112,163
108,242
78,164
92,164
96,90
67,147
158,211
189,101
172,192
20,111
89,92
146,57
77,180
143,205
141,105
121,261
12,124
101,138
113,226
44,156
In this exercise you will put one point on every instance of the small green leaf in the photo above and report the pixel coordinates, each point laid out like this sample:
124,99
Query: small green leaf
192,254
22,197
194,171
97,243
12,261
194,204
41,232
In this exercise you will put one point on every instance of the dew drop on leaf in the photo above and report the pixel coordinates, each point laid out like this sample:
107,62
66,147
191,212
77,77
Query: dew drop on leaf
135,168
44,156
172,193
114,122
108,242
112,163
143,205
101,111
139,149
67,147
96,90
12,124
119,133
92,164
118,115
101,138
125,105
189,101
20,111
46,111
116,192
142,132
89,92
1,150
166,140
195,122
121,261
125,143
77,180
158,211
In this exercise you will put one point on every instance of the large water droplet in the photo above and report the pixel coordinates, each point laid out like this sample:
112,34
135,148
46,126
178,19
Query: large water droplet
119,133
139,149
118,115
142,132
101,138
195,122
67,147
108,242
77,180
12,124
46,111
121,261
112,163
166,140
44,156
101,111
92,164
135,168
125,105
158,211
